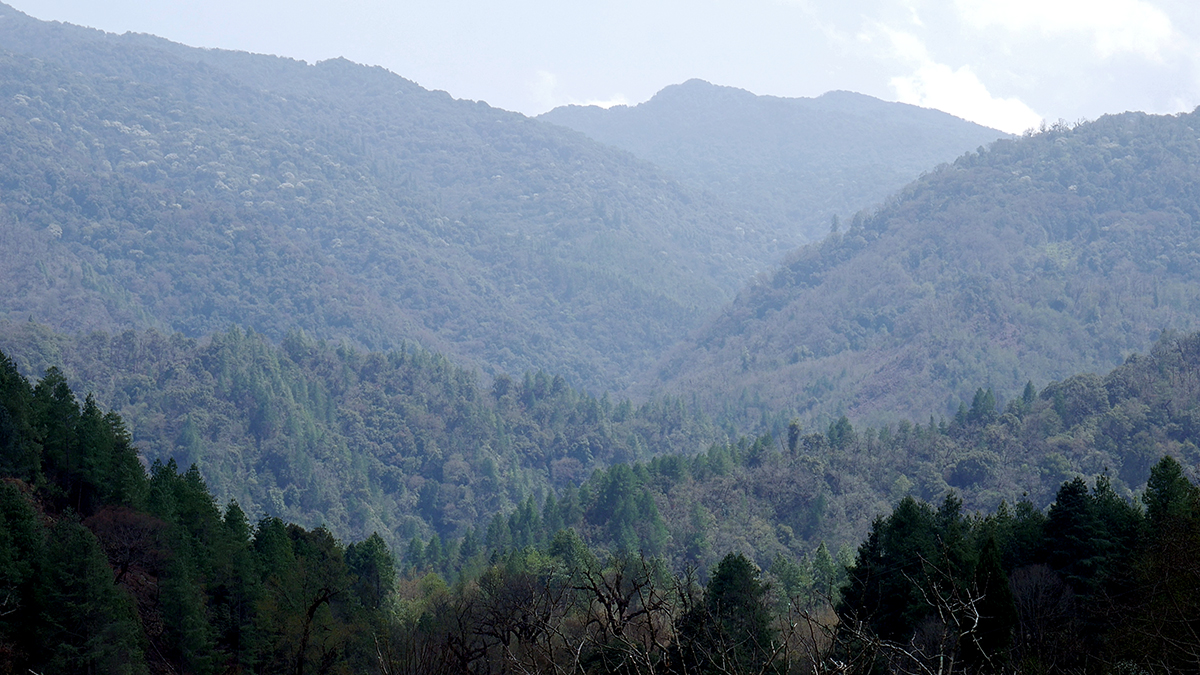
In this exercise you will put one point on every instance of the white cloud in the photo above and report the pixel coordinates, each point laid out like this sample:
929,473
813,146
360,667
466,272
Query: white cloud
905,46
545,92
617,99
543,87
1114,26
959,92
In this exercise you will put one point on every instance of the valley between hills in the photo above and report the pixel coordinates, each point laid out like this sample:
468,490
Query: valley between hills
306,368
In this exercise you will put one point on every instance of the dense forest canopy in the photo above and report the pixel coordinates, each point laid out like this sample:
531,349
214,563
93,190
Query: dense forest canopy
302,370
1095,583
147,184
408,445
786,498
1038,258
794,162
110,568
403,442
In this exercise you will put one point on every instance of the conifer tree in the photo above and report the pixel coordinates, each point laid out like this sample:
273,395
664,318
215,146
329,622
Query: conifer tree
730,631
87,624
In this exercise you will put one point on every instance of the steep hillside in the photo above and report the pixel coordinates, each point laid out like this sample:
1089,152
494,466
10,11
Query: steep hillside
144,183
404,442
410,446
795,162
94,545
784,497
1052,254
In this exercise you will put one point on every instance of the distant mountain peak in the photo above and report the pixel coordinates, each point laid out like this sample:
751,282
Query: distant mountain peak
698,92
794,163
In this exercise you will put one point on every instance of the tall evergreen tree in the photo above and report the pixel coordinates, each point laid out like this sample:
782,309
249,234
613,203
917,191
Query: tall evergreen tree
87,623
234,590
986,646
21,550
374,572
20,455
730,631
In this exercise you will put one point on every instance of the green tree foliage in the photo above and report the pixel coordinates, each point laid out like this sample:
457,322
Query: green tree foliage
1169,495
931,588
796,162
774,501
233,593
1035,258
146,183
22,542
176,584
990,639
304,610
371,565
157,578
18,451
372,424
1095,585
627,511
86,623
881,591
1162,627
731,630
402,443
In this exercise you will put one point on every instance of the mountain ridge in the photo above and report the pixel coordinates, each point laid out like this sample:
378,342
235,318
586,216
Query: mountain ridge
369,209
794,162
1059,252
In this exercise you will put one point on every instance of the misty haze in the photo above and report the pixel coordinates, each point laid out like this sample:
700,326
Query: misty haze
652,339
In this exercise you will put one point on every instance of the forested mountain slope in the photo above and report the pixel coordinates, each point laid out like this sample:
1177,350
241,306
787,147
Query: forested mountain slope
772,498
144,183
1040,257
110,568
1096,583
795,162
403,442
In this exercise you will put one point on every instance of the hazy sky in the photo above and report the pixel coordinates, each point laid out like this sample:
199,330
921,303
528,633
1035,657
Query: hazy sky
1004,63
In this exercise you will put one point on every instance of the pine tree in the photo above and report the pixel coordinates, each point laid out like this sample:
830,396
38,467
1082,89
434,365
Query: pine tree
55,420
87,624
20,454
1168,493
21,548
986,647
731,630
370,562
824,573
1072,534
234,590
